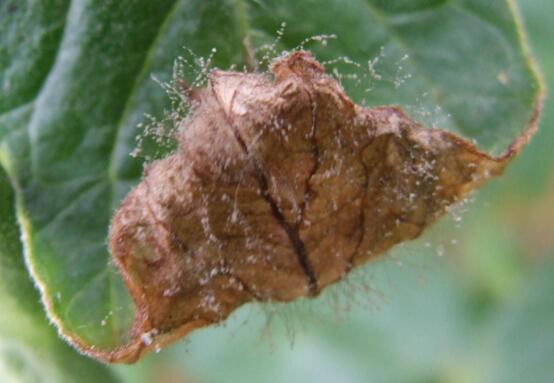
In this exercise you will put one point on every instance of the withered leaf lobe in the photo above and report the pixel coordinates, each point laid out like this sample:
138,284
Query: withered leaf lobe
278,188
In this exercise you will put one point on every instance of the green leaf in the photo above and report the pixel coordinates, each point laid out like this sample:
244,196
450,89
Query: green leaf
30,350
76,93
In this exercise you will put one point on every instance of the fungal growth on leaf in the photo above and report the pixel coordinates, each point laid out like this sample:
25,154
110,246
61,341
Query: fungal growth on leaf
278,188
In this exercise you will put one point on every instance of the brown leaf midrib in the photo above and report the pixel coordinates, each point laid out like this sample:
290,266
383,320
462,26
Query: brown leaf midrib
292,233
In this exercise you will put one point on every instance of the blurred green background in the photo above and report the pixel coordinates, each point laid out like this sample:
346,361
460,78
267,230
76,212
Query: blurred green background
470,301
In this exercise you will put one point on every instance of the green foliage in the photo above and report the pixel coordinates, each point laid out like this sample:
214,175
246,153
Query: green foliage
30,350
75,80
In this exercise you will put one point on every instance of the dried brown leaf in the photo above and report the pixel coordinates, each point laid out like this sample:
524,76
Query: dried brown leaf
279,187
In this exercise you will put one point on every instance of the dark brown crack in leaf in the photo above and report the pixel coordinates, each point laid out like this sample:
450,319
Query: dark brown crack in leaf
279,188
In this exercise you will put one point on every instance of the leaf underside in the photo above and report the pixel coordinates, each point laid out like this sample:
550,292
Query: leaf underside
76,80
